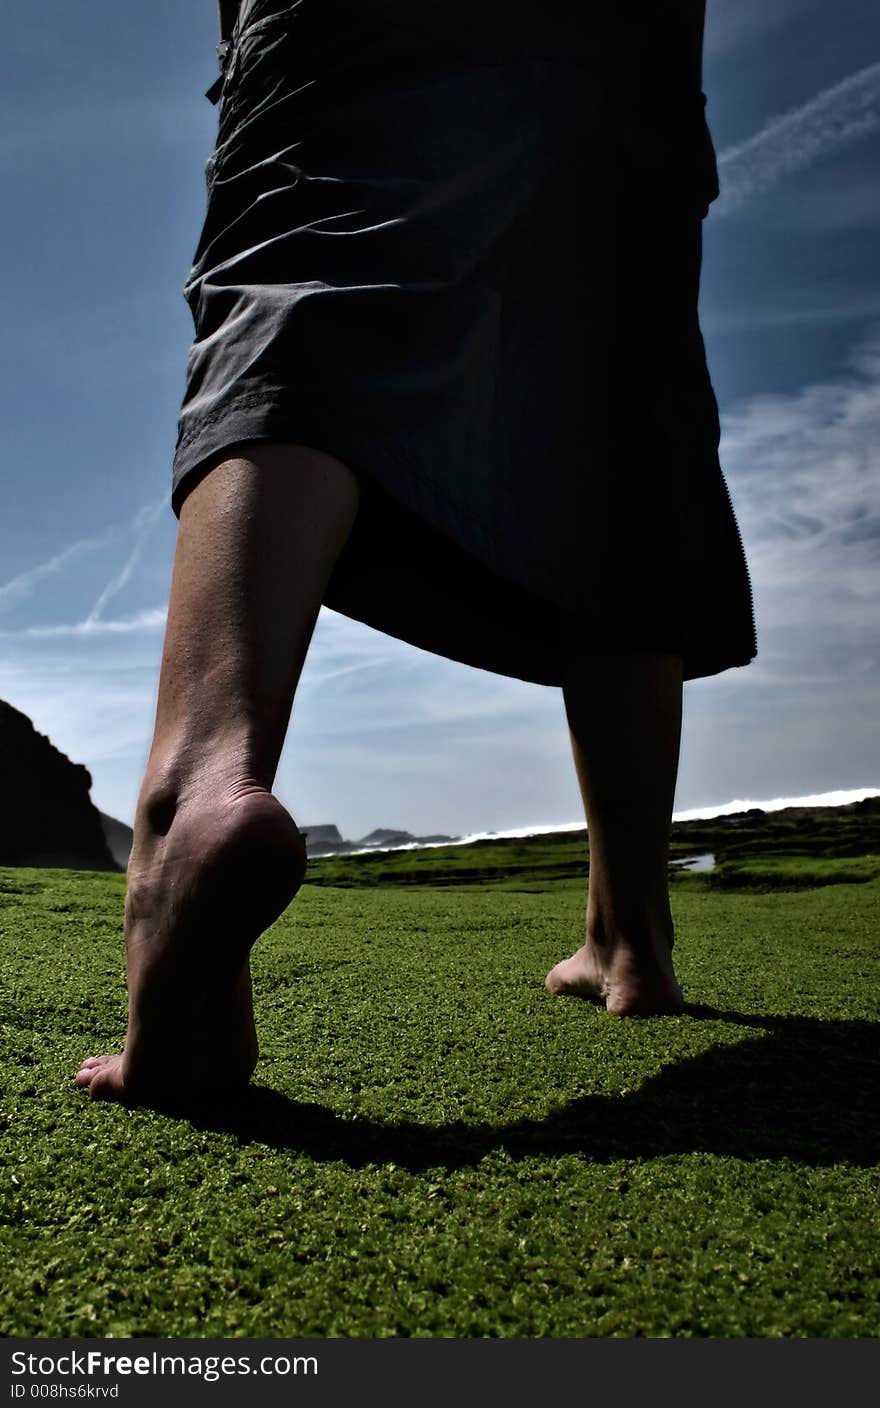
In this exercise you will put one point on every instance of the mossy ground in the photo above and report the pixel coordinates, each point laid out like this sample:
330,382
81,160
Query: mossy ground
437,1147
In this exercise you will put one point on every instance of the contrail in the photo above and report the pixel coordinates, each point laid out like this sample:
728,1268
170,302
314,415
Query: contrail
791,141
148,620
19,588
144,521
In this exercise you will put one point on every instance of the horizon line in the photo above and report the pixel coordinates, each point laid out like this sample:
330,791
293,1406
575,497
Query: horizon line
839,797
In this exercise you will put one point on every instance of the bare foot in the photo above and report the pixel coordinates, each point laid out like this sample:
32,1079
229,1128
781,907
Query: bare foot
197,899
632,980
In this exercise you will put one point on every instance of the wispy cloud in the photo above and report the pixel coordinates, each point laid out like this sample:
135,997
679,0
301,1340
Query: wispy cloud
23,586
776,312
836,116
150,620
359,683
805,472
143,524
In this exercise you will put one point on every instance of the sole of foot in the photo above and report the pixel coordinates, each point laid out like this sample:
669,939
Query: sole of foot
197,899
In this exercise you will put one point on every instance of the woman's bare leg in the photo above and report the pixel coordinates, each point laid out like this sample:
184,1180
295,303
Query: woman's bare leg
624,716
216,857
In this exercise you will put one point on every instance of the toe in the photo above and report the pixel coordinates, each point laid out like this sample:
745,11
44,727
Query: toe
575,977
552,983
563,978
90,1069
106,1082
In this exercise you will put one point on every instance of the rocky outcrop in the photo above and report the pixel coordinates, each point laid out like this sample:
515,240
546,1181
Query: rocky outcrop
327,840
382,836
322,836
47,817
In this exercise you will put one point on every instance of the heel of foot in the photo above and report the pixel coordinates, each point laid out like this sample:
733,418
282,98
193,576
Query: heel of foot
645,1001
263,857
628,983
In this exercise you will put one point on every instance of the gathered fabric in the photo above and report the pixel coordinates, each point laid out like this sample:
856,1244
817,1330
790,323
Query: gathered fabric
459,248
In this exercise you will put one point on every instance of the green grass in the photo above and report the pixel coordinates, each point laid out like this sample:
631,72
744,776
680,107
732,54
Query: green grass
527,862
794,871
436,1147
820,833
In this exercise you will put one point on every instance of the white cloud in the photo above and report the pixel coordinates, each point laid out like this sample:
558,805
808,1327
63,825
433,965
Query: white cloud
838,115
151,619
143,523
95,698
24,585
384,734
805,473
799,311
360,683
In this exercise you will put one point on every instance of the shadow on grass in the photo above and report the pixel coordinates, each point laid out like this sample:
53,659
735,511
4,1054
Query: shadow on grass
804,1090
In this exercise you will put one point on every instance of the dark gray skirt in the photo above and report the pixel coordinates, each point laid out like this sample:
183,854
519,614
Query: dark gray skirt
458,247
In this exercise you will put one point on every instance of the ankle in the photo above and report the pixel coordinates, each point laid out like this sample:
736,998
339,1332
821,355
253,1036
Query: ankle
172,789
640,928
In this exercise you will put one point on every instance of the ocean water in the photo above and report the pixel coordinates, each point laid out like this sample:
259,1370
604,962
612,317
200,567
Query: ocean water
740,804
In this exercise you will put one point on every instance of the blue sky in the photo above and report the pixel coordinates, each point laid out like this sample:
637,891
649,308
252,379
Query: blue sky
105,134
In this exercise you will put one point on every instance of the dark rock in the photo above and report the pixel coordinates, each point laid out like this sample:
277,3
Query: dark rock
327,841
321,834
866,805
383,835
47,817
324,840
328,848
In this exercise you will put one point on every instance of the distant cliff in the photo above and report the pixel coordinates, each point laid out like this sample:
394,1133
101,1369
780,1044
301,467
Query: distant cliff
327,840
47,816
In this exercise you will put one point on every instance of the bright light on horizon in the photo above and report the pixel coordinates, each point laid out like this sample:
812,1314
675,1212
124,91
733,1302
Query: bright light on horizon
776,804
839,798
